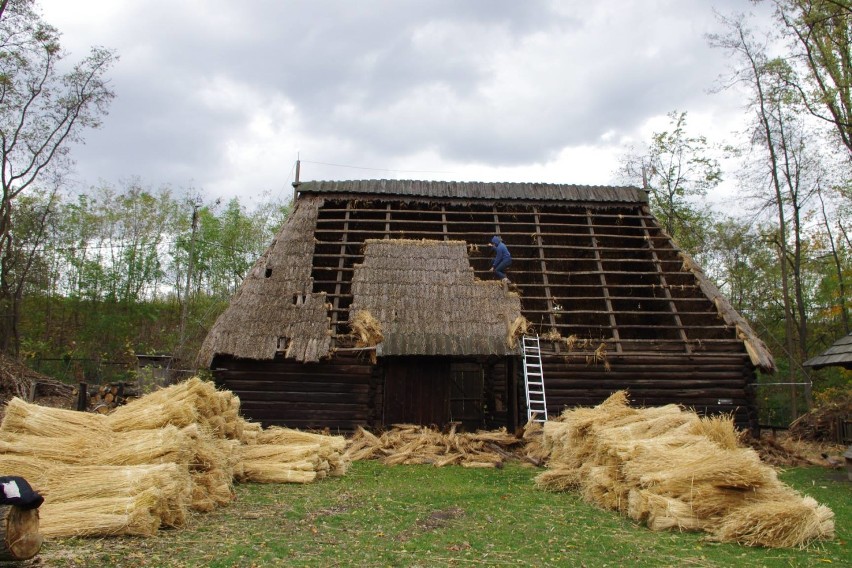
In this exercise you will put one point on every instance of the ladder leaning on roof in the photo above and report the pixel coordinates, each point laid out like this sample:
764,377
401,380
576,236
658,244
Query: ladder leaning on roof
533,379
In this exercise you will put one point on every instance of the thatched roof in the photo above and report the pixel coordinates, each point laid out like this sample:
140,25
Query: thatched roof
425,296
275,310
838,355
757,350
479,190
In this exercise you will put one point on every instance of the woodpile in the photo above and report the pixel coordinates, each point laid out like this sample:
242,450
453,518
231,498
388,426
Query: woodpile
149,462
824,423
671,469
109,396
411,444
18,380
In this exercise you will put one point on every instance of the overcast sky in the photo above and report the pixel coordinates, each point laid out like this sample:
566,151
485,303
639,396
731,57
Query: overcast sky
221,96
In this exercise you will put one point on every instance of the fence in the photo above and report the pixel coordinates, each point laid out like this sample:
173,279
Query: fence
142,373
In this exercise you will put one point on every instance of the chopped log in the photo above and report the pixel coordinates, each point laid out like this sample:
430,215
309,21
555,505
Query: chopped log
19,535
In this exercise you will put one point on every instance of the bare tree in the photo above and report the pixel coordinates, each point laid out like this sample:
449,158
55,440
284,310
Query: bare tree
778,133
42,111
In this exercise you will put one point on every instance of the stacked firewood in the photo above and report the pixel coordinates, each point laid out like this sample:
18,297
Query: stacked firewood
106,397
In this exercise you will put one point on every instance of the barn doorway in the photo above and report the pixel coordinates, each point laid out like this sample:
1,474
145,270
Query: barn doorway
433,391
416,390
467,382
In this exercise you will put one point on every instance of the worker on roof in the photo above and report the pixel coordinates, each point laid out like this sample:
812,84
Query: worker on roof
502,258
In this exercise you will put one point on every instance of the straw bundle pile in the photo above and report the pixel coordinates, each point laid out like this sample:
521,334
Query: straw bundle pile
669,468
411,444
191,402
283,463
176,449
165,488
366,329
102,516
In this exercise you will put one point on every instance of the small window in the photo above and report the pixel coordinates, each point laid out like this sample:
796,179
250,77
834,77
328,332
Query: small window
268,272
283,344
297,299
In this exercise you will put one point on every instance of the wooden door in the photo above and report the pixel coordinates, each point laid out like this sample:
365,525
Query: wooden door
416,390
466,395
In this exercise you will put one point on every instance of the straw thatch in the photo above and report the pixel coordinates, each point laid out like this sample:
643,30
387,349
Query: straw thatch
275,310
426,300
412,444
757,350
670,469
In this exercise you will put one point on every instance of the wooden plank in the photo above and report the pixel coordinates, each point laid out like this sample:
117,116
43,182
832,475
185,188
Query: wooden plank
607,300
315,398
260,409
334,426
545,279
295,387
338,287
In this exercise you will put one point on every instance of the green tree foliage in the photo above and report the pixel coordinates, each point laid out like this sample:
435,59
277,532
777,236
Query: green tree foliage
821,34
678,170
115,265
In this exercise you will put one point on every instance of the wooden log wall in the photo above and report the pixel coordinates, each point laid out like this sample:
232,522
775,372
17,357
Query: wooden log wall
339,394
718,384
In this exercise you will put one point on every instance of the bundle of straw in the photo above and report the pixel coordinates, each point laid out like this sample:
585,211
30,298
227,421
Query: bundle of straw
671,469
26,418
168,484
100,516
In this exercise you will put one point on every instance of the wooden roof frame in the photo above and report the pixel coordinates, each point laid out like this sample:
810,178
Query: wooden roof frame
590,263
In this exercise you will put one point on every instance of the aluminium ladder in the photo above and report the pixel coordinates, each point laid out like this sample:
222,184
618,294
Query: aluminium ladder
533,379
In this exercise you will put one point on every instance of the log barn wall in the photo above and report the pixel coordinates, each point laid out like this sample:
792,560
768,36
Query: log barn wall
711,385
339,394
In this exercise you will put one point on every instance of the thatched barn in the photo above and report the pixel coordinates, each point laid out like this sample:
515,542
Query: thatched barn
374,305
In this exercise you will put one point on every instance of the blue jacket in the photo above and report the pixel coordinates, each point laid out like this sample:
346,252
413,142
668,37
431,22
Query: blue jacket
502,253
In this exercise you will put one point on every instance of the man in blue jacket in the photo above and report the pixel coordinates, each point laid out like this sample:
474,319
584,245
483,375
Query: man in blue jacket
502,258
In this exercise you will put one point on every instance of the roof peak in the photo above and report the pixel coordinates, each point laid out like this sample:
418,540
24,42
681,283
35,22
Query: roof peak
538,191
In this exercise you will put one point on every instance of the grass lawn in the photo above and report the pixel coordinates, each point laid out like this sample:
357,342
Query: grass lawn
425,516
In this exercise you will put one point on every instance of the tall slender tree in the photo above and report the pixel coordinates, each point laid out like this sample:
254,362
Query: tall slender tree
42,111
780,137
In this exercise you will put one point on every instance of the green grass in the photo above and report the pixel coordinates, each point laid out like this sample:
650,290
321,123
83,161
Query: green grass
424,516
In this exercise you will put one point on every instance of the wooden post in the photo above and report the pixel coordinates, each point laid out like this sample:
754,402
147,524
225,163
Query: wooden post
82,397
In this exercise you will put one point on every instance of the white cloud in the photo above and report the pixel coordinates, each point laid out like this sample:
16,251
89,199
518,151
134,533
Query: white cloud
223,94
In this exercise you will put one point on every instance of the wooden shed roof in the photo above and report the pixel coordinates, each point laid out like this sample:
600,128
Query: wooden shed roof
479,190
838,355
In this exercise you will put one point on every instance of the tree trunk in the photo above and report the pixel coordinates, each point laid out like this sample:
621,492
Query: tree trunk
19,536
